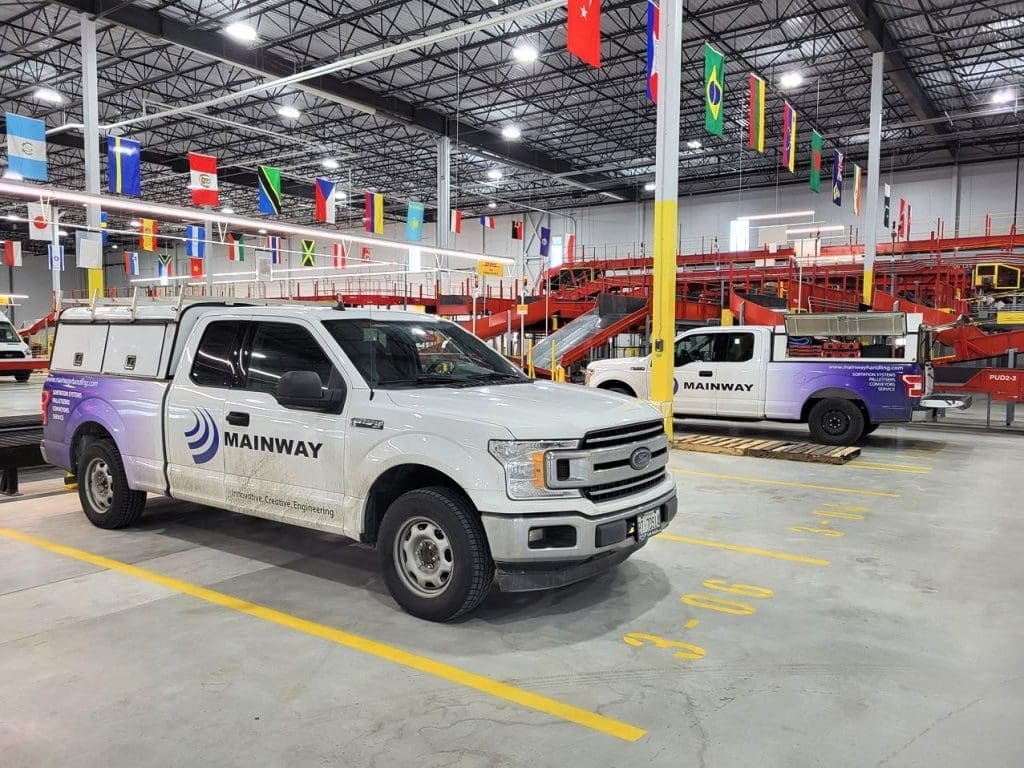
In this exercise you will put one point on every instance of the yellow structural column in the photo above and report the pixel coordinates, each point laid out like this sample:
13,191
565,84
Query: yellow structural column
666,210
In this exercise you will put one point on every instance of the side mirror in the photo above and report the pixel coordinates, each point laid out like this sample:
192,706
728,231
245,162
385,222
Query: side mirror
305,391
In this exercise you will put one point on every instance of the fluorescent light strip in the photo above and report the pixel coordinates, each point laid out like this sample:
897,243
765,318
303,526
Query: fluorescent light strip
766,216
160,279
805,230
30,192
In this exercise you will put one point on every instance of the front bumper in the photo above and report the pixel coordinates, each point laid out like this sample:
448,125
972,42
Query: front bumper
600,543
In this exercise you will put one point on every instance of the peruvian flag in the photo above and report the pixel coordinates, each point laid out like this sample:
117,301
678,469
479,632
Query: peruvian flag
11,250
583,37
340,255
203,179
570,248
456,222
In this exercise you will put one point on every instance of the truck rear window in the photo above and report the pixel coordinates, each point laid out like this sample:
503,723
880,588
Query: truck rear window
216,361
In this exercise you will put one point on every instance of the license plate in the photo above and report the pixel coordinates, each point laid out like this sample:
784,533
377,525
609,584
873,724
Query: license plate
647,524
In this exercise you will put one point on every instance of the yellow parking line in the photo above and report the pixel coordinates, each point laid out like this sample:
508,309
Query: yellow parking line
787,483
499,690
744,549
915,469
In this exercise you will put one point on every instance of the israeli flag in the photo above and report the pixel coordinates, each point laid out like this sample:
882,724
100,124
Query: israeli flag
56,257
26,147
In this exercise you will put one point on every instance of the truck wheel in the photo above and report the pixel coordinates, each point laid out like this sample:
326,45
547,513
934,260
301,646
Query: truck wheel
22,376
103,489
622,389
434,554
871,427
836,422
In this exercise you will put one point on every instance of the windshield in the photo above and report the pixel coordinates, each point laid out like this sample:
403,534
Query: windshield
397,354
8,335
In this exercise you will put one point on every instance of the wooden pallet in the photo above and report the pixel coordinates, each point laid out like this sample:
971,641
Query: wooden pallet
767,449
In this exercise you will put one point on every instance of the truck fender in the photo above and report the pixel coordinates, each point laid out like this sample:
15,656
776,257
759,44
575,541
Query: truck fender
834,393
91,416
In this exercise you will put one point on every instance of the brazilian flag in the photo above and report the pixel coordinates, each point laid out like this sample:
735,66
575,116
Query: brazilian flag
714,90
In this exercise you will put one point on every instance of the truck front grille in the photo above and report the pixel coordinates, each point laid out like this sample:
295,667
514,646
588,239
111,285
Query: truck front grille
12,355
612,475
620,488
633,433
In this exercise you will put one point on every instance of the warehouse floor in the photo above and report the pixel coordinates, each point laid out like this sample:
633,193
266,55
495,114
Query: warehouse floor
796,615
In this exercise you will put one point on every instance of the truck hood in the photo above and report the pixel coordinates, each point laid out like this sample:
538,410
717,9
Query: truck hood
619,364
536,411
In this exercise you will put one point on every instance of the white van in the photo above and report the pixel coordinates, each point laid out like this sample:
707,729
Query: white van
13,348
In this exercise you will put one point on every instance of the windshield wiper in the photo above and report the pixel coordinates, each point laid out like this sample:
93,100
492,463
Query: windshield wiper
498,378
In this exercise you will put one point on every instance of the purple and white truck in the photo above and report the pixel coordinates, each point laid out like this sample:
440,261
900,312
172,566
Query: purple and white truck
841,374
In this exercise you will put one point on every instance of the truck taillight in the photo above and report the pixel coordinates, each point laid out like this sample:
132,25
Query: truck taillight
45,405
914,382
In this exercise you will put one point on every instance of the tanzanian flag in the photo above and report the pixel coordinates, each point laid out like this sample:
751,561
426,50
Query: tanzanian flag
815,161
714,90
270,190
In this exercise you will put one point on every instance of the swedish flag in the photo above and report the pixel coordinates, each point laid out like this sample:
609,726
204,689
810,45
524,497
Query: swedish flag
124,166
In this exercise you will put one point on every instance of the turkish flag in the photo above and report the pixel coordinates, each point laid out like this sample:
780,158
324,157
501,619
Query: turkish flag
583,38
196,267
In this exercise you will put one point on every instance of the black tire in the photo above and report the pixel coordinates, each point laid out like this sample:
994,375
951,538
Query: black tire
622,389
871,427
103,489
22,376
836,422
449,531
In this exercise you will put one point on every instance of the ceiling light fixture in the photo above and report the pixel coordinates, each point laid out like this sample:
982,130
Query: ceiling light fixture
240,31
1004,96
341,195
262,231
134,223
511,132
331,164
228,211
48,95
694,144
492,204
791,80
812,230
494,174
649,186
525,53
789,215
288,112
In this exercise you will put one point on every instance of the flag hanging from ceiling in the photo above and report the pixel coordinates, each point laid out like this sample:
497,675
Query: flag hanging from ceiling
374,218
858,190
11,251
124,166
269,189
274,246
26,147
583,31
104,220
326,206
164,265
837,179
910,209
236,246
202,171
815,161
570,248
195,242
517,229
714,90
147,235
309,253
487,222
653,44
364,253
755,128
545,242
789,137
886,206
55,257
88,250
455,225
40,221
414,222
131,263
339,256
195,268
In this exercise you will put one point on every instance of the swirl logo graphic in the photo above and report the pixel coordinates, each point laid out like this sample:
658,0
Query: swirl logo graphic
203,438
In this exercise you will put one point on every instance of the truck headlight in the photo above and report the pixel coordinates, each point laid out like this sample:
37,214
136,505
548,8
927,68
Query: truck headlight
524,463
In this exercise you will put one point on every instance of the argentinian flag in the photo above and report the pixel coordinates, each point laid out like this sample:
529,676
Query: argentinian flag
26,147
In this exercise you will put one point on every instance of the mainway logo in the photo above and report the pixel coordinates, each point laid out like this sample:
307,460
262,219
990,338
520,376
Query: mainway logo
203,438
713,387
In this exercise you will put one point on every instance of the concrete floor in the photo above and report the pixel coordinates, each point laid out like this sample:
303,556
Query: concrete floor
904,650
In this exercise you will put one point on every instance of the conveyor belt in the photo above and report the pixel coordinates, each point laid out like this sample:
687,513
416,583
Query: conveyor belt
20,437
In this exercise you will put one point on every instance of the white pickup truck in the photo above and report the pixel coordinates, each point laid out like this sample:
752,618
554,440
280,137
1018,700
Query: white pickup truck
841,374
397,429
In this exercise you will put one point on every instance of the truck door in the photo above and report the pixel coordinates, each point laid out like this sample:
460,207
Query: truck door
738,372
284,463
694,372
194,413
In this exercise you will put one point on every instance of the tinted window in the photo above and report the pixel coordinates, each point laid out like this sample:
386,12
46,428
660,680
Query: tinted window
738,348
216,361
281,347
696,348
8,335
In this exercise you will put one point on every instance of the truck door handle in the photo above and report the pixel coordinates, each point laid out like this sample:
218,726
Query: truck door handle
707,374
237,418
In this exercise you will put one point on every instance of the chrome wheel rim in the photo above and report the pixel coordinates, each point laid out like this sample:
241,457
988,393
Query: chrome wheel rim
99,486
423,557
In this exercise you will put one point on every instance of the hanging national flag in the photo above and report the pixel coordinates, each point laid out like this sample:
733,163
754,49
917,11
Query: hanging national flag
714,90
374,210
886,206
40,222
88,250
789,137
11,251
236,247
202,170
364,253
326,205
837,179
910,209
147,235
858,191
55,257
414,222
195,241
815,161
455,225
274,246
269,189
339,255
195,267
26,147
309,253
755,129
583,33
517,229
104,220
653,44
487,222
164,265
570,248
124,166
545,242
131,263
901,220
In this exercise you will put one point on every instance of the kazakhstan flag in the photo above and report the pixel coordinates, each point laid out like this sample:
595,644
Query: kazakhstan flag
414,222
